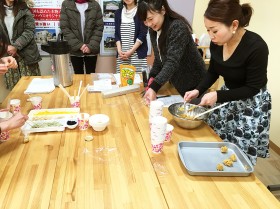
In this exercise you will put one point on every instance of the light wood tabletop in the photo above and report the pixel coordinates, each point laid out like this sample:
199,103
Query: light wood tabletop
115,170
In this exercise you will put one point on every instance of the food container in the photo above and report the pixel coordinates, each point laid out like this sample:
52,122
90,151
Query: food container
127,74
71,124
183,117
99,121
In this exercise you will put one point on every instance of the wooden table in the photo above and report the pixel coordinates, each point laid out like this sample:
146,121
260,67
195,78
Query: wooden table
115,170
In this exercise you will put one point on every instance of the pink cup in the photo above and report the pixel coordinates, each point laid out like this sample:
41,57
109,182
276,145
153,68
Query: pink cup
15,105
169,129
4,136
36,102
158,133
75,101
83,121
156,108
157,148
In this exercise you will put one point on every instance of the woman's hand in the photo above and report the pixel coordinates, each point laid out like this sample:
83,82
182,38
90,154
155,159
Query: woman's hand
85,49
16,121
12,51
121,55
7,62
189,95
209,99
127,54
149,96
3,69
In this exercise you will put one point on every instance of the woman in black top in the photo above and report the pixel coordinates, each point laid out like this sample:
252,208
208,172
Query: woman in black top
177,59
240,57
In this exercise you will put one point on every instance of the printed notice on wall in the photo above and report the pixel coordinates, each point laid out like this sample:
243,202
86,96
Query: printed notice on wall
46,14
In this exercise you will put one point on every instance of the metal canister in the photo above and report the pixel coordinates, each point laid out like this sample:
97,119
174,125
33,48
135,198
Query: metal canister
62,70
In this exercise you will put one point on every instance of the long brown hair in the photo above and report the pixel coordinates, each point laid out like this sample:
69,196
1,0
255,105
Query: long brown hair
226,11
3,43
156,6
18,4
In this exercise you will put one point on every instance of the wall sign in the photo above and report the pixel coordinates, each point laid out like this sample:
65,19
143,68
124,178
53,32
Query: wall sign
46,14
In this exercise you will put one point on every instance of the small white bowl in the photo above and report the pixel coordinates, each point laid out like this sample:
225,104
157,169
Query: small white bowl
99,121
70,126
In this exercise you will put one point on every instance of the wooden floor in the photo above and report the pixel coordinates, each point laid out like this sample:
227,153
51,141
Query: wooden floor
268,171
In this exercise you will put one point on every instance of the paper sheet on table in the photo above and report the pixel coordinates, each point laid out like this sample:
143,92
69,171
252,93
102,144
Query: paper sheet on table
167,101
137,78
101,85
40,85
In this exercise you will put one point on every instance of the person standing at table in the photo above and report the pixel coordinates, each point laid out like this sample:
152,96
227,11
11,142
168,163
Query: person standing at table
82,25
6,63
241,57
19,25
130,37
177,58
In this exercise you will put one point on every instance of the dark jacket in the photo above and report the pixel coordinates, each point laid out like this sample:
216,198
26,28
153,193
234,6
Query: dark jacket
182,64
70,24
140,33
23,36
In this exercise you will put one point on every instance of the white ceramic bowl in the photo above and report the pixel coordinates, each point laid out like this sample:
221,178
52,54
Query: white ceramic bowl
99,121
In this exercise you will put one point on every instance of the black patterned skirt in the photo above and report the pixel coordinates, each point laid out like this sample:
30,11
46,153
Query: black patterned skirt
245,123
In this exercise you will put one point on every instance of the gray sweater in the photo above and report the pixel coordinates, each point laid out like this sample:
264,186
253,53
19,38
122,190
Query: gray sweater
181,64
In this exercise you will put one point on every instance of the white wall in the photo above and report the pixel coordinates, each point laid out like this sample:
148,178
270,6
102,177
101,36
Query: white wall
183,7
265,21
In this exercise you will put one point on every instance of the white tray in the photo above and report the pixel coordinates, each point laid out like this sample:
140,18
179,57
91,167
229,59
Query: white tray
60,115
56,113
27,127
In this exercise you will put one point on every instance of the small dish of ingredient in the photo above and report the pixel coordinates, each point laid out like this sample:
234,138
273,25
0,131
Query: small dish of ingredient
71,124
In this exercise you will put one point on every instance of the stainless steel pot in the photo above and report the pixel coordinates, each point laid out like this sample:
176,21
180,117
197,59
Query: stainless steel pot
60,59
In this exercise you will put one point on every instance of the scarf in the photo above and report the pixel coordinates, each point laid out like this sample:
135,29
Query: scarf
81,1
129,13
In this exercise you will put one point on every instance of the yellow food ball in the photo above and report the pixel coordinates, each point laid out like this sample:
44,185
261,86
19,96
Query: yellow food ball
233,157
220,167
228,162
224,149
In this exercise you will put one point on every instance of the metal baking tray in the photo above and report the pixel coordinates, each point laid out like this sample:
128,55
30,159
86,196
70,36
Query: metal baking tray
201,158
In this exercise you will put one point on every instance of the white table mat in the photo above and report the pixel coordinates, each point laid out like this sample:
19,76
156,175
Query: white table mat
40,85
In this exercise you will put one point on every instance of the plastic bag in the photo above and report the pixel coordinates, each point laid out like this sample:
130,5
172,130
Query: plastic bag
127,74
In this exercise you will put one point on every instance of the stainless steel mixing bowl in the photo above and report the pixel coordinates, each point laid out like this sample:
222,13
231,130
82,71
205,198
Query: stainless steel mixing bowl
179,114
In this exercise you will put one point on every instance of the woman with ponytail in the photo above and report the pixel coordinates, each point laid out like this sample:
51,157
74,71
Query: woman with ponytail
240,56
177,59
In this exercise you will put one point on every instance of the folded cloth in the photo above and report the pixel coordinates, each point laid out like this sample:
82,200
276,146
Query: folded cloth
40,85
